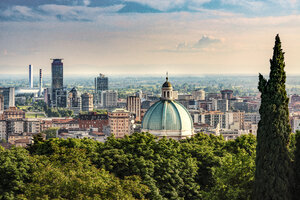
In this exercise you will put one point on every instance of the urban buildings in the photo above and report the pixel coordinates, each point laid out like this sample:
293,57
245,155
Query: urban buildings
60,98
227,94
57,84
87,102
198,95
109,99
134,106
8,97
94,120
120,122
13,113
74,101
40,83
101,84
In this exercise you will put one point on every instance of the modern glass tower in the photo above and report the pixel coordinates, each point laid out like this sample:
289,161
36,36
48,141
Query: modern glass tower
101,83
57,80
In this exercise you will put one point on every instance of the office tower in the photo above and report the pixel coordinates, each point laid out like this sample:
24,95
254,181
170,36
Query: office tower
227,94
101,83
134,106
74,101
30,76
57,79
87,102
109,99
8,97
40,83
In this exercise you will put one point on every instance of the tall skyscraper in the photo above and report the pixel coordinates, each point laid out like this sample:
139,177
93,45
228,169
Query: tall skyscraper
40,83
30,76
101,83
57,80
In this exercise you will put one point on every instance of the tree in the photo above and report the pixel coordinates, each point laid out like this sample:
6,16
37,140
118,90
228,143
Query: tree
15,165
273,163
297,166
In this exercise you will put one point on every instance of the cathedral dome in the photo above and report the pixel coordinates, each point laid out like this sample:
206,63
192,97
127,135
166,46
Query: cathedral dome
168,117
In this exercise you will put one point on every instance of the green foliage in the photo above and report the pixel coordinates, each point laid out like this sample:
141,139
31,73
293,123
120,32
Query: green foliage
136,167
15,165
51,132
297,166
194,168
68,174
273,163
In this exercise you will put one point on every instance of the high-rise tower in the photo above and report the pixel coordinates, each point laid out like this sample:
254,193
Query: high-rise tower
101,84
30,76
40,83
57,80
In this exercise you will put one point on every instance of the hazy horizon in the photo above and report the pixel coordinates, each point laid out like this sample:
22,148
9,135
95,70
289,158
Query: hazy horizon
148,36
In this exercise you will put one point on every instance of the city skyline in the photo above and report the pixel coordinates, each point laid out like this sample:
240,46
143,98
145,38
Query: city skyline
138,36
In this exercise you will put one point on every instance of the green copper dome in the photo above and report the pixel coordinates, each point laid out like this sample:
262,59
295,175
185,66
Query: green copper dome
167,84
167,115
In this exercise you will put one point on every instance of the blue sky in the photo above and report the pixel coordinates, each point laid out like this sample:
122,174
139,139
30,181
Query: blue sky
138,36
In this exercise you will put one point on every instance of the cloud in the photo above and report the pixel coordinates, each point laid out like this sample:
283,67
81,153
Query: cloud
56,12
77,13
18,13
170,5
205,43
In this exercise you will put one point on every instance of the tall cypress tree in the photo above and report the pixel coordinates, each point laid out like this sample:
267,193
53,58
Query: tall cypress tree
297,167
273,164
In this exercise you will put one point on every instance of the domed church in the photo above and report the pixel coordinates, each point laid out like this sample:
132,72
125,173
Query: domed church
167,117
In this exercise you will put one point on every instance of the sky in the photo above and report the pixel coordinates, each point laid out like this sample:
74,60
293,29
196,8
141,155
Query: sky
192,37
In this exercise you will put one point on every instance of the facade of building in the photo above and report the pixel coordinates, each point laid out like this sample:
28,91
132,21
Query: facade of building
40,83
57,81
101,84
8,97
198,95
13,113
120,122
134,106
227,94
87,102
15,126
32,126
167,118
2,130
109,99
74,101
217,119
60,98
93,120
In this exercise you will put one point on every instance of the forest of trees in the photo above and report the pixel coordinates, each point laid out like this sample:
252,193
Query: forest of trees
135,167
